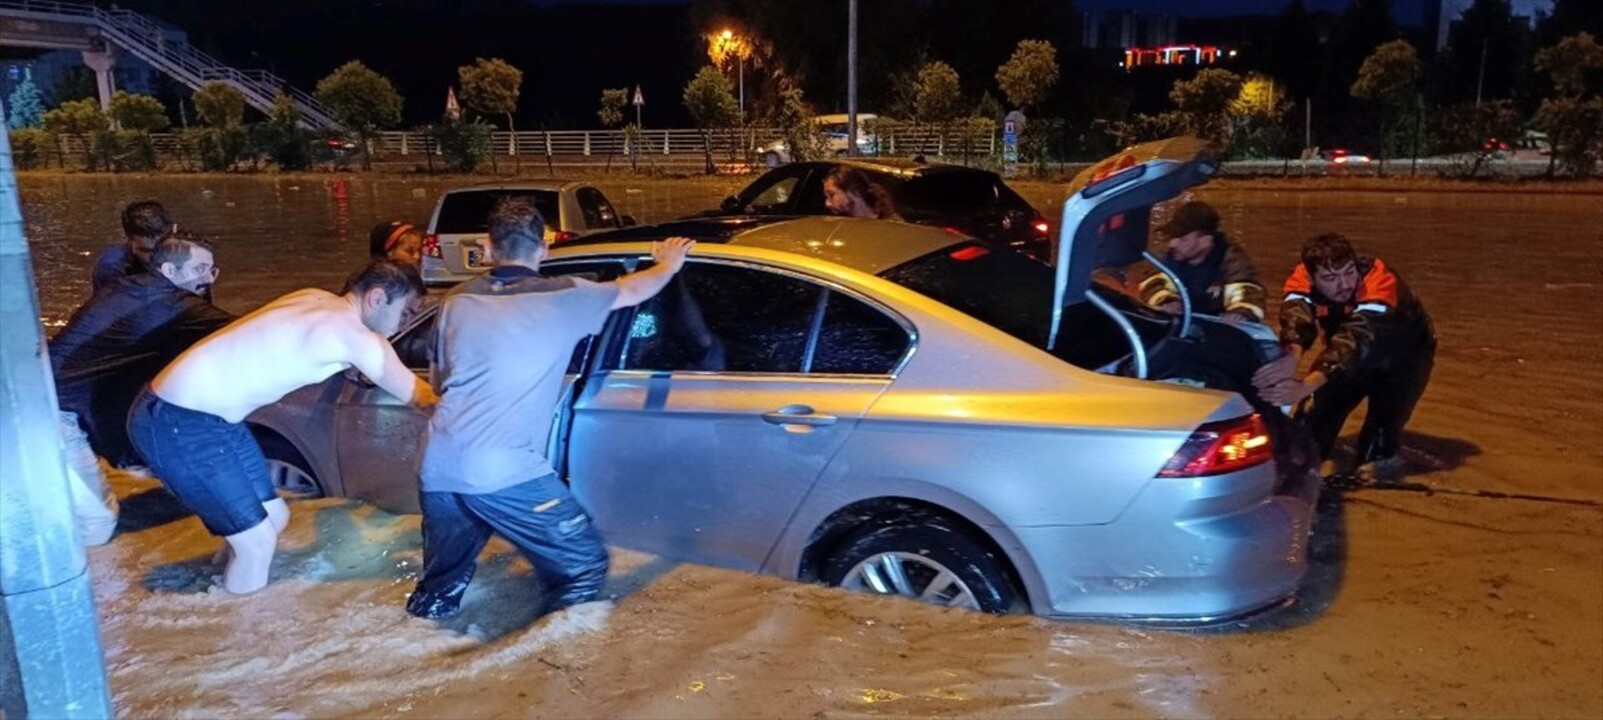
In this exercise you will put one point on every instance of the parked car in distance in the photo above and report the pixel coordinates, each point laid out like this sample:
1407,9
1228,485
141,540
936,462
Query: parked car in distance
1341,156
966,200
834,128
454,246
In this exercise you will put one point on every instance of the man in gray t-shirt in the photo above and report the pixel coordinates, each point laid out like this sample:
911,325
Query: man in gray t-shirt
502,346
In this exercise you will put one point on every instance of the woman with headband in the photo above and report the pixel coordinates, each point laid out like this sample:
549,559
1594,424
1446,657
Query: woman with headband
397,242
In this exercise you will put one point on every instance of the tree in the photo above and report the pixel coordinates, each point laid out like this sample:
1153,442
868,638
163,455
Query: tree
78,119
711,103
140,113
1389,82
363,102
139,116
1569,62
937,96
220,105
1028,76
491,87
282,139
26,107
1204,103
1258,120
222,139
463,143
610,115
802,136
1573,118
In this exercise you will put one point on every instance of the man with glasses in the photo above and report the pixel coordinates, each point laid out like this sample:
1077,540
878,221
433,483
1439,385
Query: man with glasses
113,345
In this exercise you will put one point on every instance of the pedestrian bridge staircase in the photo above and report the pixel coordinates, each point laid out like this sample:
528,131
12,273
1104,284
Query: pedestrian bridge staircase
34,23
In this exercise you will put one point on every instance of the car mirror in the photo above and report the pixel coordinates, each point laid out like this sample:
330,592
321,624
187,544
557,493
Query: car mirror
730,204
627,220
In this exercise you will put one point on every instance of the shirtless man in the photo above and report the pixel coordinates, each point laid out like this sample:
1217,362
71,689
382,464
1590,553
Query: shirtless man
189,423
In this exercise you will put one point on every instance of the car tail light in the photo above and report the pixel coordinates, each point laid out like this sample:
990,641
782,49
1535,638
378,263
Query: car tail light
1041,228
971,252
1220,447
562,236
431,246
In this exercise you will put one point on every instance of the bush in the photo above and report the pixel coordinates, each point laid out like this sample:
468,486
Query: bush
31,147
464,145
216,148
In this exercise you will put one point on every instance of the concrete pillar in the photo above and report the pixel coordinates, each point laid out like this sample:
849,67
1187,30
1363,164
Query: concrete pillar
102,62
50,659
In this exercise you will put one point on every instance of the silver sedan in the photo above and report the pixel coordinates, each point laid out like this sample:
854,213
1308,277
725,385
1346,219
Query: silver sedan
872,405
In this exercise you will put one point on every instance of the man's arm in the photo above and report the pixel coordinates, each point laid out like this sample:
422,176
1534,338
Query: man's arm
375,358
1244,296
668,257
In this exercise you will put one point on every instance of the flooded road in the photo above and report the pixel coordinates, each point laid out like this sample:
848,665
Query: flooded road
1416,606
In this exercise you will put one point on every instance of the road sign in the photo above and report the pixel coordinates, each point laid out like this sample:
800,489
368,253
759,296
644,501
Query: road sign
1011,126
639,99
452,110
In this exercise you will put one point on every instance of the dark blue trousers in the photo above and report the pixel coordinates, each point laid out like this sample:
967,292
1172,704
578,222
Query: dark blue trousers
539,517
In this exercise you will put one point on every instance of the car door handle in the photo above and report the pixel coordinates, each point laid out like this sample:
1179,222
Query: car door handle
798,415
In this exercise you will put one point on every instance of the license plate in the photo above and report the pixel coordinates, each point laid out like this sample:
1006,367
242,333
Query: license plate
475,257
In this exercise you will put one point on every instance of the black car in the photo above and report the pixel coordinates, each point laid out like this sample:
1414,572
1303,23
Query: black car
967,200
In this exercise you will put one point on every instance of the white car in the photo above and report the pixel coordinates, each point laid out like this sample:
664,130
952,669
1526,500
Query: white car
454,247
834,129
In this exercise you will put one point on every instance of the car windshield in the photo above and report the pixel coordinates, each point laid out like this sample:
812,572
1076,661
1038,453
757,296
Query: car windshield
1013,293
469,212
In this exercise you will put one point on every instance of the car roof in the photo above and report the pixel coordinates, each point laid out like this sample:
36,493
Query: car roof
842,117
549,185
871,246
902,167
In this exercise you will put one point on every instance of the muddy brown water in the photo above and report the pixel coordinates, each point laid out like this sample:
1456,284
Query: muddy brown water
1416,606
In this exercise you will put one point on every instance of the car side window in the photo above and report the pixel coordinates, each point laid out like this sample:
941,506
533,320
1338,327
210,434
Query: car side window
810,196
778,195
598,213
858,339
723,318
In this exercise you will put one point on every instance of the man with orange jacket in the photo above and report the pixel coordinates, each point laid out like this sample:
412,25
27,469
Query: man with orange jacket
1379,345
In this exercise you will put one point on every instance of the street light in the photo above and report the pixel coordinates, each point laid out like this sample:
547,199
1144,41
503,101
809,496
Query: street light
724,44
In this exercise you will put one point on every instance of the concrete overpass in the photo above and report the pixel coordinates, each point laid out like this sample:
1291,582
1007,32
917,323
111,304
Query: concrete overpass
104,35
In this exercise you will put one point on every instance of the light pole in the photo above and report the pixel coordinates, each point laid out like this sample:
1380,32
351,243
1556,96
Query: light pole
730,45
851,78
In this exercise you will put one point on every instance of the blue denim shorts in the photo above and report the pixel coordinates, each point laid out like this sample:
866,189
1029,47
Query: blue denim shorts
214,467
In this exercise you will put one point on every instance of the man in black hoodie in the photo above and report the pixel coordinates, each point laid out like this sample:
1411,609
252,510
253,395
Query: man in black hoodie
118,340
1216,272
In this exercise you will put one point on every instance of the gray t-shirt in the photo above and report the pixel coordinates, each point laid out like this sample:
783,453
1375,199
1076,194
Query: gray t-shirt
503,345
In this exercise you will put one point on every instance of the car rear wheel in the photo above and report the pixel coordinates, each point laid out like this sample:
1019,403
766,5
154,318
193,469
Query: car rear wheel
927,561
292,476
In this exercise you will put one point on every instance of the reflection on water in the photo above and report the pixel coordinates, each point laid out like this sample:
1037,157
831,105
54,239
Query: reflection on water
274,234
280,234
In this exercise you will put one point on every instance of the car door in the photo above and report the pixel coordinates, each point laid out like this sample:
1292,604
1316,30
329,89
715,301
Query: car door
380,438
775,192
711,417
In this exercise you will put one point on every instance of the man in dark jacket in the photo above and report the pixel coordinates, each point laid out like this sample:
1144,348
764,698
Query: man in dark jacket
118,340
144,223
1217,274
1379,346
